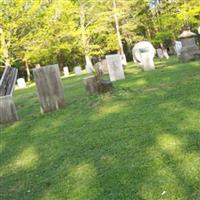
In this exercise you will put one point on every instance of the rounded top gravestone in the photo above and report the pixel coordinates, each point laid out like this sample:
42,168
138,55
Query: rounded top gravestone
143,47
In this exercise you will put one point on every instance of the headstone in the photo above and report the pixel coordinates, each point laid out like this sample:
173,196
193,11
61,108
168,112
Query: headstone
66,71
104,66
143,53
178,47
49,88
165,53
123,58
160,53
77,70
89,68
21,83
37,66
8,112
115,67
98,69
190,50
147,61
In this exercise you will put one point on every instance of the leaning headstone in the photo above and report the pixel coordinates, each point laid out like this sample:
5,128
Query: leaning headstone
8,112
49,88
143,54
78,70
21,83
115,67
66,71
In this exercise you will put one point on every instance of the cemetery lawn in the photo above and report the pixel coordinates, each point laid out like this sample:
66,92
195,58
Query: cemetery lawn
142,142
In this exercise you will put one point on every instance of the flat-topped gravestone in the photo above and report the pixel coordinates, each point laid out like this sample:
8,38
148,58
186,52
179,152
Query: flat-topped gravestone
49,88
89,68
78,70
21,83
115,68
143,53
66,71
160,53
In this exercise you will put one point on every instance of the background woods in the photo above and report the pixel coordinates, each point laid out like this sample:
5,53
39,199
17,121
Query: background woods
71,32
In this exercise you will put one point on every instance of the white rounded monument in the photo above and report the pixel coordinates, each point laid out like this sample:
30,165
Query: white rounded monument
144,53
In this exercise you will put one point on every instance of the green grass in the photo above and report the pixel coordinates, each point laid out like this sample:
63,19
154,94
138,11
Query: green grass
141,142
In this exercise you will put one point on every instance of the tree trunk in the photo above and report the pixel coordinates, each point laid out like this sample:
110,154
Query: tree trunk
28,71
84,36
5,49
121,49
88,60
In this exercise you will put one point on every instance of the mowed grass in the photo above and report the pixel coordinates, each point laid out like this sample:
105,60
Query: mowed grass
140,142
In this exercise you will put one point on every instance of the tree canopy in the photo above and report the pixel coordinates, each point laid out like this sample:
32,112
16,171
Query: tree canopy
71,32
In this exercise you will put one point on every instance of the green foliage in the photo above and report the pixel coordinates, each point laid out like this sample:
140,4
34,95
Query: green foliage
66,31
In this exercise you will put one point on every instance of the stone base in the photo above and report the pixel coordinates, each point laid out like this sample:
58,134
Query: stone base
189,53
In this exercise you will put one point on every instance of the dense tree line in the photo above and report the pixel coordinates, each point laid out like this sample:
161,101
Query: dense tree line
71,32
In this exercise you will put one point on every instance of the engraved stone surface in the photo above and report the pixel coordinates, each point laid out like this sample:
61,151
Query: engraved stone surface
115,68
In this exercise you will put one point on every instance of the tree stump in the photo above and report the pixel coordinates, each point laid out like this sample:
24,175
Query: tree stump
95,86
49,88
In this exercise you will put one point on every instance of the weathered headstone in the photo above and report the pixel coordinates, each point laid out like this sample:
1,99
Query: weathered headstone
104,66
115,68
89,68
78,70
190,50
49,88
123,58
8,111
66,71
21,83
98,69
143,53
165,53
160,53
178,47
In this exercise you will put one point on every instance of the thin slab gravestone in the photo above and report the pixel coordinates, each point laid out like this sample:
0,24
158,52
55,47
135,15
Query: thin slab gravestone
78,70
8,112
115,67
49,88
104,66
21,83
66,71
89,68
160,53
